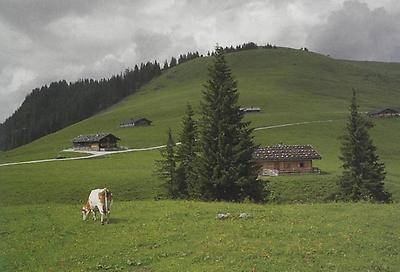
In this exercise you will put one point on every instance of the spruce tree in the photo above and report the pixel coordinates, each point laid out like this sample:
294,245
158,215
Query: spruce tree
363,175
167,168
186,155
173,62
226,170
165,65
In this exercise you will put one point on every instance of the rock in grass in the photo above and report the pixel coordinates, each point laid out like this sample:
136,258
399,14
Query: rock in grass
222,216
244,215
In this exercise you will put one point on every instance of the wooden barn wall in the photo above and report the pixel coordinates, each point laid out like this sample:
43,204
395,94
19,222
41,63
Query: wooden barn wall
289,166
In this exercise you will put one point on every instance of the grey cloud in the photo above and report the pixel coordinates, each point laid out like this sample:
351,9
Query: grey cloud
149,45
47,40
29,14
357,32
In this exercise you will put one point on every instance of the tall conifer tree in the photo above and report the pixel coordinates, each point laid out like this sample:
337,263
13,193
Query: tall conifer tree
363,175
167,168
166,66
186,155
226,170
173,62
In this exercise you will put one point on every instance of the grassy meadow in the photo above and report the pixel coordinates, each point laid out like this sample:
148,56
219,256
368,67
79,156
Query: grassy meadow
185,236
299,230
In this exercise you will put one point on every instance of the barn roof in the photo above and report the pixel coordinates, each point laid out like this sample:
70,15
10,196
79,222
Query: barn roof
246,109
286,153
383,110
92,138
135,120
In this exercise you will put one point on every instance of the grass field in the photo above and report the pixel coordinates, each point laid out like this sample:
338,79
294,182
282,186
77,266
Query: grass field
40,223
185,236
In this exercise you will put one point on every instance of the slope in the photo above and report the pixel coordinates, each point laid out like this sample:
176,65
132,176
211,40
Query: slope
289,85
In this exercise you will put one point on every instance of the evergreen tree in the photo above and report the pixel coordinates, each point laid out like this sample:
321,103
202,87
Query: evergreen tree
165,65
173,62
363,175
226,170
167,168
186,156
60,104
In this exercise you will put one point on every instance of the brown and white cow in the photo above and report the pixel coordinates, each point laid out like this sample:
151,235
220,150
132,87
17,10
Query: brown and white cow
99,200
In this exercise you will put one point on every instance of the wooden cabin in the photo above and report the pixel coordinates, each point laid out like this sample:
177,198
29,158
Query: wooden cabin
135,122
384,113
250,109
96,142
286,159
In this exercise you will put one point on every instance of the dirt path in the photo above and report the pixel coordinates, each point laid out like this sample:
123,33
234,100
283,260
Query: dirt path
94,154
297,124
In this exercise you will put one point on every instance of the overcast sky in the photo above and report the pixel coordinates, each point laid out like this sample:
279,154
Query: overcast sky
47,40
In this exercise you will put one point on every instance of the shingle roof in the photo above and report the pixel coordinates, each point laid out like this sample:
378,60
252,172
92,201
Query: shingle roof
286,153
92,138
135,120
250,109
383,110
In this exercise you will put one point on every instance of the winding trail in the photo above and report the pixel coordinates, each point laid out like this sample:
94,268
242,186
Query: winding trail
297,124
95,154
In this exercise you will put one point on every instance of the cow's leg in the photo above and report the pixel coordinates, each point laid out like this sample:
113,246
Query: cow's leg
101,210
108,216
102,217
93,214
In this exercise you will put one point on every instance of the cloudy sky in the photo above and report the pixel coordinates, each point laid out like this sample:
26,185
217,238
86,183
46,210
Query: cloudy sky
47,40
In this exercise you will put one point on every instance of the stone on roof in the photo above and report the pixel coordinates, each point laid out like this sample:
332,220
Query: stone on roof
286,153
92,138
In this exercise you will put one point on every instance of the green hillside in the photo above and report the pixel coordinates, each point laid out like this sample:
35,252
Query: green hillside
40,222
289,85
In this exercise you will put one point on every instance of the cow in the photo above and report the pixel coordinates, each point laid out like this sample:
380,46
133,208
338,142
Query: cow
99,200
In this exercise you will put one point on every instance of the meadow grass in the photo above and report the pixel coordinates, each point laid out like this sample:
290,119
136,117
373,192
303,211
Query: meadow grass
131,176
185,236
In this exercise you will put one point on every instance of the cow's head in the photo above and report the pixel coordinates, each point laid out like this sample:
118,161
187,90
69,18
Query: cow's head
85,211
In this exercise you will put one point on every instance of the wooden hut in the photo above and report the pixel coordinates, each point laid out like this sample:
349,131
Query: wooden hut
286,159
96,142
135,122
384,113
250,109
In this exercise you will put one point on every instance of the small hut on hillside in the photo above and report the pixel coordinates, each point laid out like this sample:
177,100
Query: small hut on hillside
250,109
96,142
135,122
286,159
384,113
